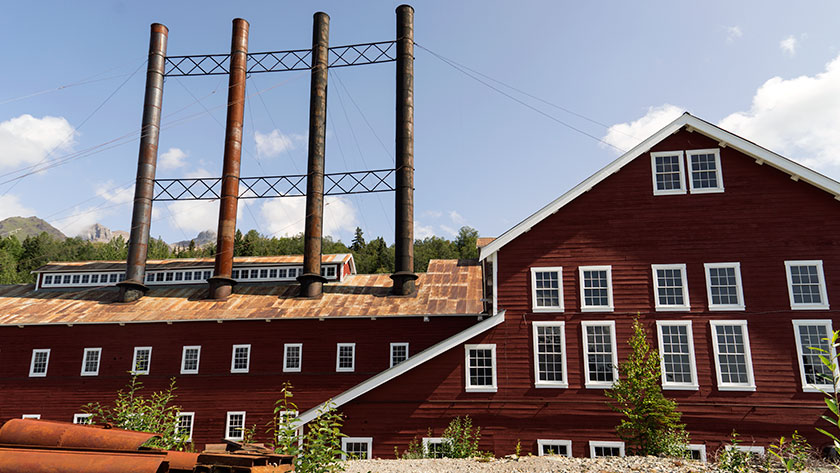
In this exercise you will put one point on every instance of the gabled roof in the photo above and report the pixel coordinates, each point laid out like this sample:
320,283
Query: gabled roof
692,123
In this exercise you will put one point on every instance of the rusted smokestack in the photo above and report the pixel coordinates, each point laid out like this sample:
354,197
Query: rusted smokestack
132,288
221,283
404,227
311,281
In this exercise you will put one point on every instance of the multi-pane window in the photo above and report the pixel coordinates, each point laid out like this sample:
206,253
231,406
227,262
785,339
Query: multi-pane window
235,425
806,285
40,362
697,452
733,362
676,352
292,357
184,427
240,359
358,448
704,171
723,286
90,361
670,289
596,288
547,289
399,353
345,357
480,368
554,447
668,172
812,340
190,357
549,354
433,447
600,363
82,418
606,449
142,360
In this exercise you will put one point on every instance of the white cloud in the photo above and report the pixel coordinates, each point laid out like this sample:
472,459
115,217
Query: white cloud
433,213
172,158
28,140
116,195
733,33
79,220
798,118
192,216
421,232
11,206
273,143
625,136
448,230
788,45
286,216
456,218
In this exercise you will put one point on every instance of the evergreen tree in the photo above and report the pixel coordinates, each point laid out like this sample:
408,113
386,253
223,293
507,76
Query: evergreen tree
358,243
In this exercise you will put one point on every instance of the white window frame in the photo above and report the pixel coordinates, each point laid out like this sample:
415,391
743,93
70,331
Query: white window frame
750,384
808,387
681,160
233,368
738,283
718,169
82,419
563,383
755,449
227,425
338,367
547,269
85,352
554,443
698,447
823,292
134,369
431,441
596,308
686,306
184,369
391,352
598,443
32,373
693,385
31,416
192,422
480,388
286,347
282,416
599,384
365,440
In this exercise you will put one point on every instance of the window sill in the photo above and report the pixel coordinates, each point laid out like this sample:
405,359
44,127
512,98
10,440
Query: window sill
90,374
809,307
597,309
481,389
537,310
189,372
544,385
818,389
736,388
599,385
238,371
345,370
669,192
722,308
291,370
710,190
678,387
672,308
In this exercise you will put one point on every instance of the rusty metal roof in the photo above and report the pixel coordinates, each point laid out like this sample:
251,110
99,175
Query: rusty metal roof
184,263
449,287
483,241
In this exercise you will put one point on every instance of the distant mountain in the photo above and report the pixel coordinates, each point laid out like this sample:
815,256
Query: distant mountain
22,227
101,233
203,239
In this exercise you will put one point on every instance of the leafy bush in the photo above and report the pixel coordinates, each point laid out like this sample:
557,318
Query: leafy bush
733,460
831,396
791,454
459,440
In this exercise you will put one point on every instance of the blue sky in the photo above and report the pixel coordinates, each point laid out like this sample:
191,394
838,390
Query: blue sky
72,89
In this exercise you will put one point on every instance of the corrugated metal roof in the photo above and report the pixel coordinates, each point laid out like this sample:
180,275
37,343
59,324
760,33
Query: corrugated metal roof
184,263
448,287
483,241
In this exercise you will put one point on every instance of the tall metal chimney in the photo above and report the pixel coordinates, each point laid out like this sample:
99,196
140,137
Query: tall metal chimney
221,283
132,288
311,281
404,276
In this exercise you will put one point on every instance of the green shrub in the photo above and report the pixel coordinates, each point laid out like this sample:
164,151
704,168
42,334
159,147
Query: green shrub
733,460
831,396
459,439
791,454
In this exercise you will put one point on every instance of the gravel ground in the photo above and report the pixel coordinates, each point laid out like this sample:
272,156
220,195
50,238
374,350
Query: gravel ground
553,464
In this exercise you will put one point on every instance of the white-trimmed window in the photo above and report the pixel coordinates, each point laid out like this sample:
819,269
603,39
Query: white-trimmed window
82,418
289,418
292,357
733,362
40,363
605,449
185,424
399,353
723,286
697,452
704,172
190,358
753,449
554,447
345,357
356,448
668,172
480,362
31,416
547,289
600,360
806,285
812,341
676,353
235,425
670,288
142,360
240,359
596,294
90,361
549,354
433,447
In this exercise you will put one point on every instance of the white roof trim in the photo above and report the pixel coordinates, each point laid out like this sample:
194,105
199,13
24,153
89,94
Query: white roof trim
411,363
747,147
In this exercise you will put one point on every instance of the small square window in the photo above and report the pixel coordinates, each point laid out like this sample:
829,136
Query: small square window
356,448
806,285
292,357
670,289
208,274
554,447
113,277
281,273
697,452
94,278
240,359
733,362
188,275
90,361
197,276
606,449
547,289
86,279
142,360
705,173
234,274
345,359
169,276
600,360
263,273
185,425
76,278
159,277
190,357
596,289
84,419
40,363
47,280
255,273
272,273
433,447
179,276
668,172
66,279
723,286
676,353
235,426
399,353
480,365
550,354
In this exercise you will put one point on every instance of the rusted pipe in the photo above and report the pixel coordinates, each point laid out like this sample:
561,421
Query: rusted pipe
404,275
48,433
311,281
132,288
221,283
67,461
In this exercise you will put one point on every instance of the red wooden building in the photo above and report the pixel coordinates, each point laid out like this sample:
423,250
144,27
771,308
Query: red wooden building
727,252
